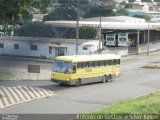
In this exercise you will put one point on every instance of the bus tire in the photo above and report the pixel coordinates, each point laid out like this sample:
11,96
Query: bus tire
104,78
78,83
61,84
110,78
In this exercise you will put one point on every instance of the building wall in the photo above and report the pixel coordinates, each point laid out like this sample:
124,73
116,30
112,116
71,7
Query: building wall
153,46
123,51
43,48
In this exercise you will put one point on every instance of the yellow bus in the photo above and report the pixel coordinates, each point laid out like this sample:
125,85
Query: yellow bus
82,69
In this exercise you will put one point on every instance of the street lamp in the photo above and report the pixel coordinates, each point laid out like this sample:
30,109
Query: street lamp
77,28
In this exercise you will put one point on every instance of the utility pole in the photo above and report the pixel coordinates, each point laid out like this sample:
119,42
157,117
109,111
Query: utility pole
77,28
148,39
100,30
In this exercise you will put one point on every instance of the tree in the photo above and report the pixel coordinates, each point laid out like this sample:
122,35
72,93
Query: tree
69,3
146,0
85,32
6,29
156,1
101,10
41,4
131,1
121,12
11,11
37,29
61,13
146,17
27,17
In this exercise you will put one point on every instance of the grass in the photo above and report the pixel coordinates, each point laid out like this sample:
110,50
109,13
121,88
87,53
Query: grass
152,66
145,105
6,75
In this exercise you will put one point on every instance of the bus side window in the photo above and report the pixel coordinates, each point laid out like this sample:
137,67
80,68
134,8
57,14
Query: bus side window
107,62
74,68
80,65
97,63
118,61
110,62
115,62
91,64
102,63
85,64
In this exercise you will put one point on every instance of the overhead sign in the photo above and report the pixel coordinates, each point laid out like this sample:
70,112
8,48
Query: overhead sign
34,68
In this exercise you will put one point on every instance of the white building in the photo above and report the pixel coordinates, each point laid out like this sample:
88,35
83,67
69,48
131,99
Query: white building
155,16
45,47
139,5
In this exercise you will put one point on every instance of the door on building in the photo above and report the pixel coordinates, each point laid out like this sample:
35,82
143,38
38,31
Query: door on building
60,51
51,52
132,43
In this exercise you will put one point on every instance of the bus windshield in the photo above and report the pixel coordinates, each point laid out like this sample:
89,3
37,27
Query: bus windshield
62,66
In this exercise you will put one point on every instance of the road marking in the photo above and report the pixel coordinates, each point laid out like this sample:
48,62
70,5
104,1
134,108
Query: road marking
10,94
46,92
6,100
29,92
19,94
14,95
41,92
1,98
35,92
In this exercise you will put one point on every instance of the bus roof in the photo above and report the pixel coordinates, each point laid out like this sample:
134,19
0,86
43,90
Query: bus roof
92,57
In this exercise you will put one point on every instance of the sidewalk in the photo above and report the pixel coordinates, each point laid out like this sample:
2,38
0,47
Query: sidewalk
25,58
22,74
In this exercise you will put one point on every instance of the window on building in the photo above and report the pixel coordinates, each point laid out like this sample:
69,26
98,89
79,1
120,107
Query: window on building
16,46
50,50
33,47
85,48
1,45
60,51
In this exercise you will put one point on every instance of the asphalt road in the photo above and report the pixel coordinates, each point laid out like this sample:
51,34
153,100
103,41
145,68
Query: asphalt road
134,81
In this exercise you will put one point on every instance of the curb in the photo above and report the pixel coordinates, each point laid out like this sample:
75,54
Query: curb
24,58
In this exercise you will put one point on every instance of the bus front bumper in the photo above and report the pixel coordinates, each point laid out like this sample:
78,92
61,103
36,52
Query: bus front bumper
68,82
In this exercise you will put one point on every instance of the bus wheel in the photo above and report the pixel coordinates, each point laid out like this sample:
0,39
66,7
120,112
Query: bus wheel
78,83
110,78
104,79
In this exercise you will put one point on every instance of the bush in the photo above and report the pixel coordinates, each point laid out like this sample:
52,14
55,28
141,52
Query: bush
37,29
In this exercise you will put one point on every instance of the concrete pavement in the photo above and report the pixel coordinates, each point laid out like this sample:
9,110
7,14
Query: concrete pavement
6,93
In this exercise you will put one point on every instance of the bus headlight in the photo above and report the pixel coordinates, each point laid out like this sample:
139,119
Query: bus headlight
68,79
52,76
